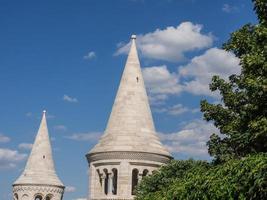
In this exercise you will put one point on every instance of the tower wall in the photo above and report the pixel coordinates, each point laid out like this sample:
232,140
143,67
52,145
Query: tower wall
131,167
31,192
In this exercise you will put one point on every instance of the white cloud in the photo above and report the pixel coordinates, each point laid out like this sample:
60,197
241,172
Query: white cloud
229,8
172,43
177,109
69,99
190,141
70,189
193,78
3,138
60,128
80,199
26,146
28,114
157,99
201,69
9,158
91,136
90,55
160,83
49,116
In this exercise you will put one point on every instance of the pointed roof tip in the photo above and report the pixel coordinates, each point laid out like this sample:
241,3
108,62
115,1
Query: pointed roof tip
43,117
133,37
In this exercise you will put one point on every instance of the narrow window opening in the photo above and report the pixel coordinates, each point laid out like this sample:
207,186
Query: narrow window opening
115,181
105,184
99,176
134,180
43,156
38,197
145,172
137,79
48,197
16,197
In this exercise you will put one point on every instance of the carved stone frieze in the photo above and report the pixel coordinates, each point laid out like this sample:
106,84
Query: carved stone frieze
128,156
38,188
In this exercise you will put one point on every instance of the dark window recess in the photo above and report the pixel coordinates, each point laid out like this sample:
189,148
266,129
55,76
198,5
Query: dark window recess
135,173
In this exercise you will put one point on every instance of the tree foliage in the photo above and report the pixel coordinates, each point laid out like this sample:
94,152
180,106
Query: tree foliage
240,168
167,175
239,179
242,118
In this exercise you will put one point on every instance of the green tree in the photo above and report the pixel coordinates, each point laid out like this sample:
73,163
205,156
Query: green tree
151,187
242,118
237,179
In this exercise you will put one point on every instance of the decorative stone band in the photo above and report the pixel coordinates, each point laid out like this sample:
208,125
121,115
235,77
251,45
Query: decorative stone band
125,155
38,188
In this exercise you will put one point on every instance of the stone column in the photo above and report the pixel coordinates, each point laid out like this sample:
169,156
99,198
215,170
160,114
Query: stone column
110,183
140,176
91,180
124,180
103,178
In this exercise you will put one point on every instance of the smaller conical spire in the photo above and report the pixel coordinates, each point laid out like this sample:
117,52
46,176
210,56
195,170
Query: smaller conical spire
40,165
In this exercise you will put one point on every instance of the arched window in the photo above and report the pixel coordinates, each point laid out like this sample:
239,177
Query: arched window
135,173
25,197
49,197
38,197
114,181
16,196
145,173
105,183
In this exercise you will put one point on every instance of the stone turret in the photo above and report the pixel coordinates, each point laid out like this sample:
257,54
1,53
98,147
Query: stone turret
39,180
130,148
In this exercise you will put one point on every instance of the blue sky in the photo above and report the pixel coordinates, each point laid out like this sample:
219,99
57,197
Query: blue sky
67,57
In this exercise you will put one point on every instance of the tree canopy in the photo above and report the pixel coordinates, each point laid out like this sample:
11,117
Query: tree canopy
242,117
237,179
239,170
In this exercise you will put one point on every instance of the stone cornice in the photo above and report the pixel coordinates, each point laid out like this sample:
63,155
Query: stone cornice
38,188
128,155
106,163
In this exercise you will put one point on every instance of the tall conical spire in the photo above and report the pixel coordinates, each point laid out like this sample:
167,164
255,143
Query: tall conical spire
40,165
130,126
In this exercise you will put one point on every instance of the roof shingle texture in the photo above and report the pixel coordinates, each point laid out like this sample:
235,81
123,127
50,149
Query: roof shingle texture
130,126
40,165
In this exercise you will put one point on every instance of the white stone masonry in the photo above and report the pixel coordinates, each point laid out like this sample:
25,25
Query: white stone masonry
39,178
130,148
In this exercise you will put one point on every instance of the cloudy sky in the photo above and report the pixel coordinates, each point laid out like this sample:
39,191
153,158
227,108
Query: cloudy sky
67,57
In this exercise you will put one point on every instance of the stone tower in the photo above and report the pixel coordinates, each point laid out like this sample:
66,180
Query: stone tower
39,180
129,149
